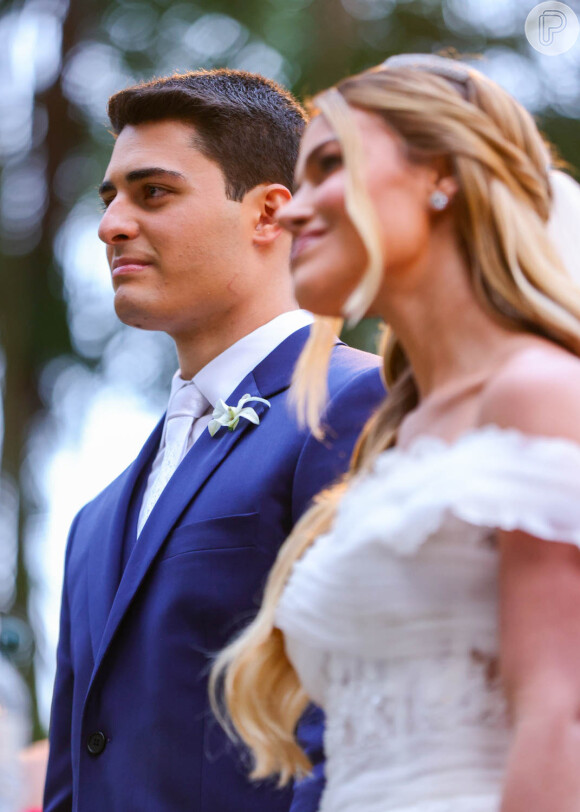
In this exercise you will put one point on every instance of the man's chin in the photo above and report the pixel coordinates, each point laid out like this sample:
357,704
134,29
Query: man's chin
134,313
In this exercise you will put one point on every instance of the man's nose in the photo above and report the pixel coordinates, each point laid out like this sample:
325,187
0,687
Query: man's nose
118,223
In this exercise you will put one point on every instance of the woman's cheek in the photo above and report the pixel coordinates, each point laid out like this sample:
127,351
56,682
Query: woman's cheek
324,282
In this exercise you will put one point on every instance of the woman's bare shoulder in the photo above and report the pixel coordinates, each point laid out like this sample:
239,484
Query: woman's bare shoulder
536,391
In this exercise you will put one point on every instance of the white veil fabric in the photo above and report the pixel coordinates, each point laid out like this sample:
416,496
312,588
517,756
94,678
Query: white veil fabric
564,223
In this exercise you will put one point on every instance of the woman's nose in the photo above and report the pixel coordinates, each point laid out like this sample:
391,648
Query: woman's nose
294,215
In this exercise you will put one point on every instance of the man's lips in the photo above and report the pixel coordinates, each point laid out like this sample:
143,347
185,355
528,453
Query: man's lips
304,241
128,265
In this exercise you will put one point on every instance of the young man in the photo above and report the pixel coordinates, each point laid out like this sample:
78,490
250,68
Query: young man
169,561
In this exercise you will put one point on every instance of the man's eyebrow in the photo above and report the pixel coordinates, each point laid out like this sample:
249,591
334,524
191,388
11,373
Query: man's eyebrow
141,174
105,187
152,172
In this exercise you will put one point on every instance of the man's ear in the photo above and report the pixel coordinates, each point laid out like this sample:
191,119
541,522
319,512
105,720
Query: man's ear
269,199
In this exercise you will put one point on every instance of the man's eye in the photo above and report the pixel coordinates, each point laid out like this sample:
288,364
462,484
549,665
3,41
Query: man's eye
154,192
104,203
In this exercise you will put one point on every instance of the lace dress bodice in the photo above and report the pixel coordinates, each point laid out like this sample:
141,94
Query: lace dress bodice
390,619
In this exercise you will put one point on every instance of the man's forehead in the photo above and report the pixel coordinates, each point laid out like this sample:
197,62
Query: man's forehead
166,145
160,137
158,132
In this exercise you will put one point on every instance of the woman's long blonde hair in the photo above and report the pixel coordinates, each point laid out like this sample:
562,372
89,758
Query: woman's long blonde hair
439,108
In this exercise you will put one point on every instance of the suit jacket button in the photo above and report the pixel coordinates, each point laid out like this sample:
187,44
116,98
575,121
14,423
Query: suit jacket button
96,743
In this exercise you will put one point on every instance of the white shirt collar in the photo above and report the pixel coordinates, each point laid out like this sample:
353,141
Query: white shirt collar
220,377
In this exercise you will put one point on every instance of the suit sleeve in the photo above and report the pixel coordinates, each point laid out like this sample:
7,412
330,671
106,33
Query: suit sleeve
58,792
321,463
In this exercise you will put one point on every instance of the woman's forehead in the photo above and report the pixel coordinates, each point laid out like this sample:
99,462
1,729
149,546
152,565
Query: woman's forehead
317,133
317,130
370,126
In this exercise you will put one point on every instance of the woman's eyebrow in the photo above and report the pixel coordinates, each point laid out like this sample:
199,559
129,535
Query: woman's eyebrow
303,164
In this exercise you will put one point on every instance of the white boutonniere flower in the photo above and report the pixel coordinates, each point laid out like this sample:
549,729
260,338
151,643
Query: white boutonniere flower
229,416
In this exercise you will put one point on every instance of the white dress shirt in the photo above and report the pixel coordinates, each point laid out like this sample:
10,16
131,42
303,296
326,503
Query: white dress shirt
222,375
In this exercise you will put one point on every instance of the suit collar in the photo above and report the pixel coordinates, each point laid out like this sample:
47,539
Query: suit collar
221,377
275,372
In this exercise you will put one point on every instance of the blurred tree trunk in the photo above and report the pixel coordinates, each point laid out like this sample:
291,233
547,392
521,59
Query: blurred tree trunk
33,323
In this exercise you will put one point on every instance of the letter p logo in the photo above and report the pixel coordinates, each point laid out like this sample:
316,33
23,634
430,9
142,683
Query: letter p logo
552,28
551,23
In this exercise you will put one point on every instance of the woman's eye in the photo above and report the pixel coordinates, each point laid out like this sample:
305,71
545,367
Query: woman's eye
328,163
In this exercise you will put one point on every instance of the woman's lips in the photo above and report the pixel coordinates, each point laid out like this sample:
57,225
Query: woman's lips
304,241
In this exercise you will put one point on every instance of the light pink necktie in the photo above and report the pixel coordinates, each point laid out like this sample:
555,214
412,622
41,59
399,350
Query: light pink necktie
185,406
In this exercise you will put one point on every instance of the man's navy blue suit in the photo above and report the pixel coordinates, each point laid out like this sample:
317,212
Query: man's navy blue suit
137,638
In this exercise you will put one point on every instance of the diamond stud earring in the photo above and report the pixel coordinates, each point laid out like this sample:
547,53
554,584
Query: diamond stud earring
438,200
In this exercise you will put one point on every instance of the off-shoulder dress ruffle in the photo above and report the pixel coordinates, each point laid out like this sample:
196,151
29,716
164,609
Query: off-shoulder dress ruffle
490,477
390,619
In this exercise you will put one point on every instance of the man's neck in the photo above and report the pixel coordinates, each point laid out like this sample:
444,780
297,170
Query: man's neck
198,347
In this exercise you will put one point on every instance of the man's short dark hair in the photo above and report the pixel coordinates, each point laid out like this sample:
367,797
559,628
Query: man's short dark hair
250,126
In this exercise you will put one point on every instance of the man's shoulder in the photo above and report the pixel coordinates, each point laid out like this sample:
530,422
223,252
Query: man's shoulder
348,365
354,360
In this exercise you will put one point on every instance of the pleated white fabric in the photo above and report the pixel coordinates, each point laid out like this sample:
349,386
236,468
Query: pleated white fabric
391,618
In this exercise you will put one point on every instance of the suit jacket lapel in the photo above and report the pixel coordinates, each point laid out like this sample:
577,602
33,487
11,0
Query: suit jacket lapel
270,376
105,552
202,459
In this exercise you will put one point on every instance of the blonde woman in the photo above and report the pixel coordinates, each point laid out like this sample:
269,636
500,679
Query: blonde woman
431,601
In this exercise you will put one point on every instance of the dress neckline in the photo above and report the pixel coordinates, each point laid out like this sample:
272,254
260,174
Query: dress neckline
427,442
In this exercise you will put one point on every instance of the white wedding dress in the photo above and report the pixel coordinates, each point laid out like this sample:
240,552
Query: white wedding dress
390,619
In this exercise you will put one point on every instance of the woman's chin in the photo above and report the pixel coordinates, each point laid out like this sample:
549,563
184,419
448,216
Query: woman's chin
324,288
319,299
319,306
